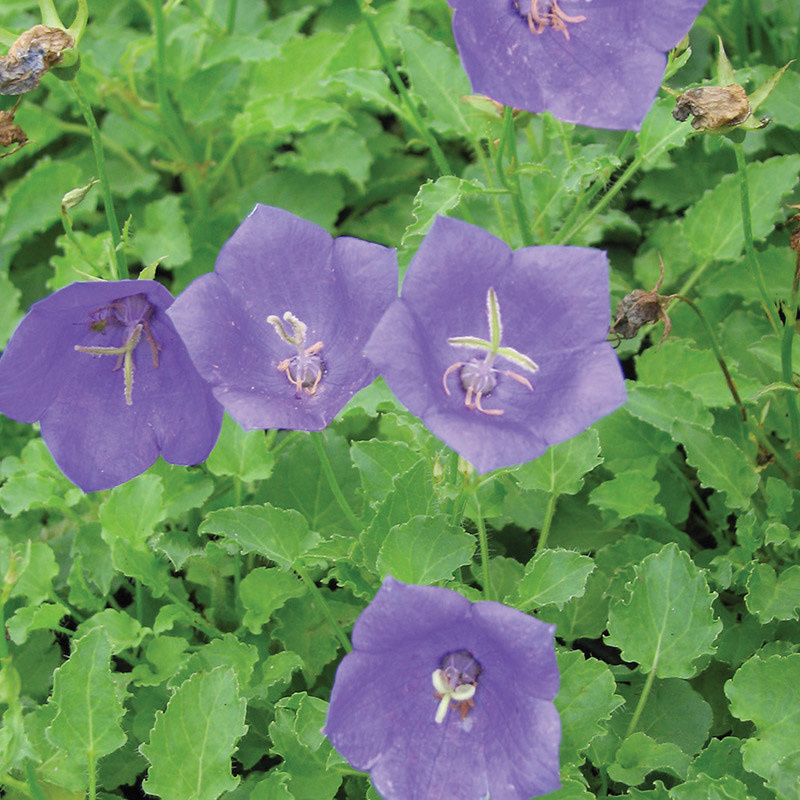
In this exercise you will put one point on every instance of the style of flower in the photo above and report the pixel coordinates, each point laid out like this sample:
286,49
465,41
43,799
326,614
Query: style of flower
278,328
592,62
444,699
102,368
545,373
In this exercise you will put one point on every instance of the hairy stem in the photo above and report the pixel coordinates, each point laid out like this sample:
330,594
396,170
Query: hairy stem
548,521
483,542
787,371
400,87
749,246
119,270
637,713
508,140
327,469
324,607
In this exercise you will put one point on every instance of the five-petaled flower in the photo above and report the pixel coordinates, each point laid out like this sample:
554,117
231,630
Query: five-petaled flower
444,699
278,328
544,373
103,370
593,62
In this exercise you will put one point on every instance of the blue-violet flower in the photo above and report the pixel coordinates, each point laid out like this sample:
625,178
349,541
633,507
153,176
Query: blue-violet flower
278,328
444,699
593,62
500,353
102,368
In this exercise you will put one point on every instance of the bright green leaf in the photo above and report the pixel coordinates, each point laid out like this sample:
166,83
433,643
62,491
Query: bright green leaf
192,741
553,577
667,622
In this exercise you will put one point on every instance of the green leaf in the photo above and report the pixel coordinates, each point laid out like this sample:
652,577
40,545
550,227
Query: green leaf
660,133
89,703
264,590
562,468
424,550
297,737
438,78
628,494
240,453
773,597
35,573
192,742
713,226
761,691
132,511
719,462
667,622
640,755
45,616
553,577
163,234
436,198
379,462
277,533
727,788
10,313
302,628
663,408
35,202
585,701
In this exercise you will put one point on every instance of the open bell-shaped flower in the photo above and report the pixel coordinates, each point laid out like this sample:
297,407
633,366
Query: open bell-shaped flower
278,328
444,699
501,353
101,367
592,62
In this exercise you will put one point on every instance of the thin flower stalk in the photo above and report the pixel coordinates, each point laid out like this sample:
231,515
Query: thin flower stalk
787,370
750,251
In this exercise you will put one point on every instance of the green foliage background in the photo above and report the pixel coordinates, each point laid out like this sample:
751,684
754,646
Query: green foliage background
189,602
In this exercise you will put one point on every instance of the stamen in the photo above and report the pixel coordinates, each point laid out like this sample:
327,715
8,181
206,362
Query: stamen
554,18
456,681
477,375
304,370
132,314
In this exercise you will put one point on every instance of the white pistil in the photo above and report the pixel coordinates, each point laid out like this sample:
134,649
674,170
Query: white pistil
462,693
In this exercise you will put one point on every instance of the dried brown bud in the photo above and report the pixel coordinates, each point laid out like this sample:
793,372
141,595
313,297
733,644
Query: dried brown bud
642,308
713,107
34,52
11,133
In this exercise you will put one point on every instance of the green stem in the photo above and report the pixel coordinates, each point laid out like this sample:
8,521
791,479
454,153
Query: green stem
169,115
12,783
718,354
33,782
642,700
400,87
508,139
327,469
483,542
749,246
3,640
198,621
693,278
487,171
120,271
324,607
565,234
548,521
92,776
231,21
787,371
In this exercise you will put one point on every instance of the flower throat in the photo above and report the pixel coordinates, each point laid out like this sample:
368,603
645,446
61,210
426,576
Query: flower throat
542,14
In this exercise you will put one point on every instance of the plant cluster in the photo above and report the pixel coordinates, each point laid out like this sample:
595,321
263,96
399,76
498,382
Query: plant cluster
273,529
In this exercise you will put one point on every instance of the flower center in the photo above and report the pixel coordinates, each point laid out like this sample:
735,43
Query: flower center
132,314
456,681
542,14
304,371
478,375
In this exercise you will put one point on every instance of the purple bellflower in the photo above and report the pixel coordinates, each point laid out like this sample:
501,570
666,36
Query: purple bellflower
500,353
593,62
102,368
444,699
278,328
